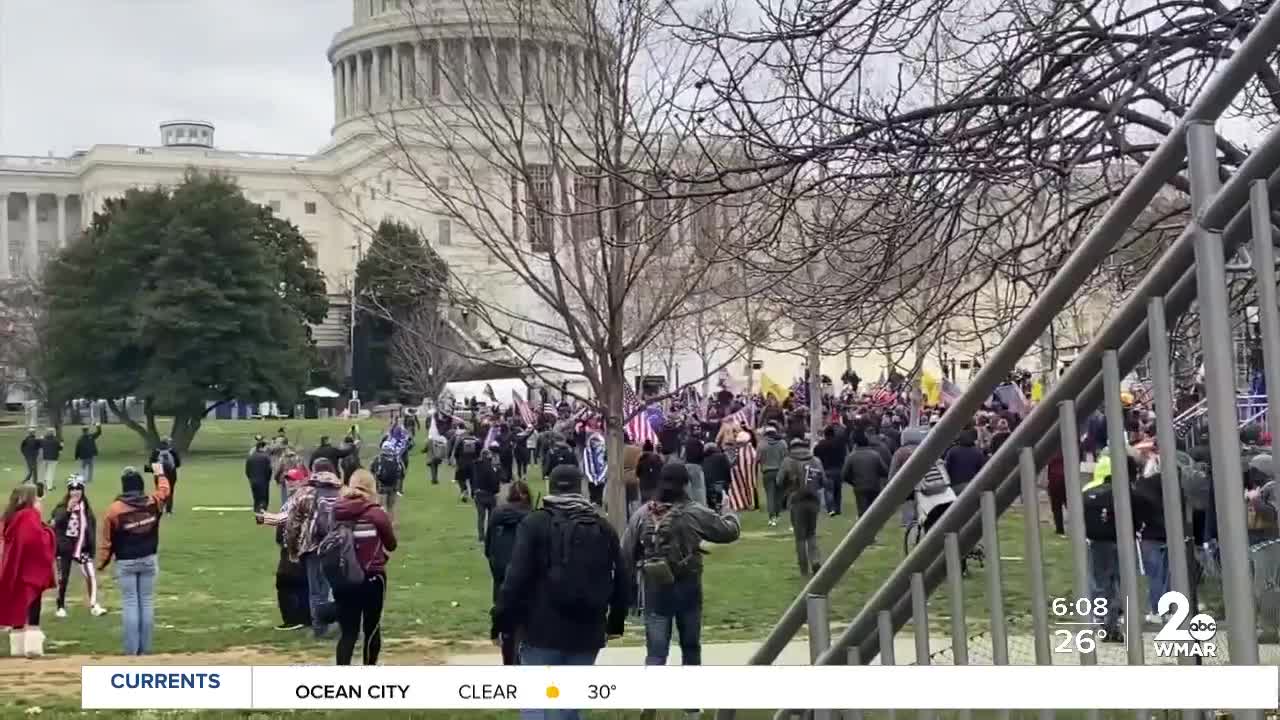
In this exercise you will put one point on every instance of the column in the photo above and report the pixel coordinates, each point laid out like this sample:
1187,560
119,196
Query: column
337,93
393,87
463,85
375,81
361,84
419,70
349,84
33,237
62,220
543,77
5,270
434,59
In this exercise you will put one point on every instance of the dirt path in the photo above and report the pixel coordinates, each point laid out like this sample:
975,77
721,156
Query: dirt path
59,675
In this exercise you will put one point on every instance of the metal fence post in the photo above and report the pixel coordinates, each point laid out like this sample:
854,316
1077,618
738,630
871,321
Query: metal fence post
819,613
1264,261
995,592
853,659
884,624
1126,538
1068,429
1219,370
1035,558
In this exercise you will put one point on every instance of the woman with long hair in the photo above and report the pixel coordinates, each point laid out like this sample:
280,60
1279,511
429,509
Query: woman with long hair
73,530
499,542
26,570
360,607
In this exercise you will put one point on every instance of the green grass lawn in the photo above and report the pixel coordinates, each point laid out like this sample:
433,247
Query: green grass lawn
215,592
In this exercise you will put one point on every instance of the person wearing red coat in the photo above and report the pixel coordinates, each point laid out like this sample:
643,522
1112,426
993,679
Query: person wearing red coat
26,570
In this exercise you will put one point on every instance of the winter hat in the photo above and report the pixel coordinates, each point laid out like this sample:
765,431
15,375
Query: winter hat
322,465
75,482
799,442
131,482
771,430
566,479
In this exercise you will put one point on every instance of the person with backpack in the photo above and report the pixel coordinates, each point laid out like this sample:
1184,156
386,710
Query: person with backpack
467,454
389,471
166,455
662,546
131,536
74,528
486,484
436,448
1098,510
362,533
499,543
802,478
566,588
306,522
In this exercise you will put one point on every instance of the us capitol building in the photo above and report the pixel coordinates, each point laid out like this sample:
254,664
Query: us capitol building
391,58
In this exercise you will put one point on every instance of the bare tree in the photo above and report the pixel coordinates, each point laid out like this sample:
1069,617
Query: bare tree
24,352
423,352
555,150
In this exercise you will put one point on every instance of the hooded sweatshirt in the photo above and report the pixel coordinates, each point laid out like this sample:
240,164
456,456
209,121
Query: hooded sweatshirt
792,475
301,535
374,536
772,452
131,525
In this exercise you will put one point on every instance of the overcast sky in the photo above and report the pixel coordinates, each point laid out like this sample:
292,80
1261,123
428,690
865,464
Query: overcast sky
74,73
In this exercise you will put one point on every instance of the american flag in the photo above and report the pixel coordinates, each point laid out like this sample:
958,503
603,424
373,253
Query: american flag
881,395
638,427
746,417
949,393
741,495
800,392
523,409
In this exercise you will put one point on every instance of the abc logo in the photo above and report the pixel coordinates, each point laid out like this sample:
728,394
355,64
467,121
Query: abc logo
1202,628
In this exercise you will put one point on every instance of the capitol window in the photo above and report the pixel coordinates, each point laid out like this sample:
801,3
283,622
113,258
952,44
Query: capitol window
275,205
309,208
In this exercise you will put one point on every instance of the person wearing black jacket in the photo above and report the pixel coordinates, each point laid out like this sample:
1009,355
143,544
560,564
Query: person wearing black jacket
328,452
87,451
565,609
716,473
499,543
50,451
30,449
831,452
964,459
1148,519
486,483
865,470
257,470
647,469
167,455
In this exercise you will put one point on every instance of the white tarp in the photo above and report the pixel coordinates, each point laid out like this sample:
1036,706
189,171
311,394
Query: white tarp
463,391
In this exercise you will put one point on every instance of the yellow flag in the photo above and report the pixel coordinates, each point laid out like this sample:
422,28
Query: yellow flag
769,387
1037,391
930,388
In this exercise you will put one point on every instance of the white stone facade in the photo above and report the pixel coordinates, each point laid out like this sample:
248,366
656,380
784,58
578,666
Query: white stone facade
390,57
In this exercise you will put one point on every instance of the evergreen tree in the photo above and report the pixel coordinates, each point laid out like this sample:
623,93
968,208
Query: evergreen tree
184,297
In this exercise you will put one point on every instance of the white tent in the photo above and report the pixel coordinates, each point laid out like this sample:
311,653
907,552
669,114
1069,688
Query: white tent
462,391
322,392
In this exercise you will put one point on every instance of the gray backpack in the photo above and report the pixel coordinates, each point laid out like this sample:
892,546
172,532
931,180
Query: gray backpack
338,559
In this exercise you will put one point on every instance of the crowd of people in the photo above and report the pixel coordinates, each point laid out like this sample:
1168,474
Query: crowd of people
564,579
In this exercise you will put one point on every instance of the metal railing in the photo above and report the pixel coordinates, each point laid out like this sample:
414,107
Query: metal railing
1191,269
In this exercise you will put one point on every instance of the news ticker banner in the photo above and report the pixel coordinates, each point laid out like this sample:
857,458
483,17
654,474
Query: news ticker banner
975,687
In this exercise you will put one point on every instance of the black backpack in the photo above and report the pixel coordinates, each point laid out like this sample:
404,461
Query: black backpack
1099,513
502,541
338,559
388,471
662,560
580,564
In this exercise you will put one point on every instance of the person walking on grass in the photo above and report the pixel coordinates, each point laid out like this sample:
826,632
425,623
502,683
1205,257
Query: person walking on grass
802,478
30,449
74,529
662,544
306,521
257,470
388,469
360,606
26,570
87,451
566,588
131,535
865,471
167,455
772,453
486,483
50,451
499,542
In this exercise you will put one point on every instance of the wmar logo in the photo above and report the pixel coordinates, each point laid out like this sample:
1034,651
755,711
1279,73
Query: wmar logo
1173,641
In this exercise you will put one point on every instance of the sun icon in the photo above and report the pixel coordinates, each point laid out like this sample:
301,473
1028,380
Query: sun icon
553,692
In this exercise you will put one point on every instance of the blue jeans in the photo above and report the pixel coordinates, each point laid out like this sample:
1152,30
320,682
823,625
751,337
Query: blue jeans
1155,565
318,595
1104,578
137,581
530,655
679,604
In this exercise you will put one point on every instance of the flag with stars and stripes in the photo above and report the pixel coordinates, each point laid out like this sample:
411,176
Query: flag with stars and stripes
638,427
523,409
